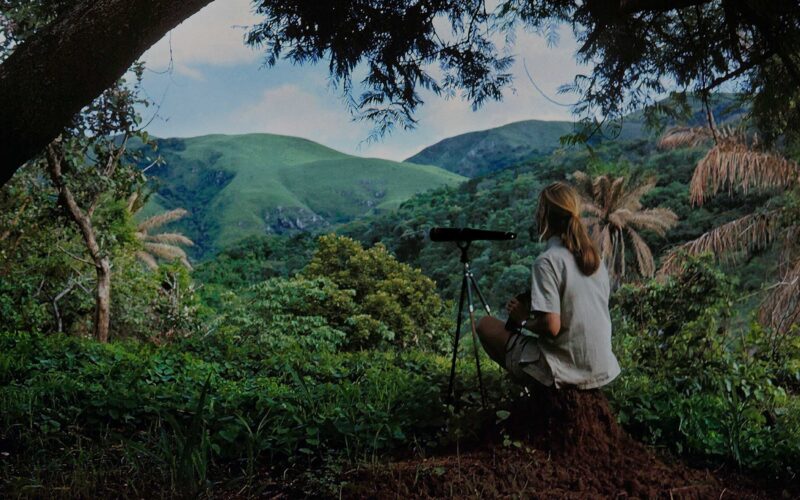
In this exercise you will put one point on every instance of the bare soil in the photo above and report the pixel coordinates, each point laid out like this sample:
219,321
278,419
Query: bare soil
569,446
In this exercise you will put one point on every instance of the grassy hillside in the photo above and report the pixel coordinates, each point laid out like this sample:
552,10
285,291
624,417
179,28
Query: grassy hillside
485,151
239,186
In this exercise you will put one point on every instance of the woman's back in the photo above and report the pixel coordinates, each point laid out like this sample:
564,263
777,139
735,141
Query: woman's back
580,354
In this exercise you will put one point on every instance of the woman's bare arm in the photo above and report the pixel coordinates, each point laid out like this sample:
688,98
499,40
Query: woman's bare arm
544,324
541,323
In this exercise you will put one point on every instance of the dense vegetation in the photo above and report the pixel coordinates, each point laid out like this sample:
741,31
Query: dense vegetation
506,201
283,383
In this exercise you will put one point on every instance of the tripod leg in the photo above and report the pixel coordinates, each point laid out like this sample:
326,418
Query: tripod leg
451,385
475,340
480,295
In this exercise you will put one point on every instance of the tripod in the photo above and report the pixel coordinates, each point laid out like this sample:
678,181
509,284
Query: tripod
468,285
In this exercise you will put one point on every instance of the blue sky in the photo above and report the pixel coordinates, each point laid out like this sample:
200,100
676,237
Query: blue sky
204,80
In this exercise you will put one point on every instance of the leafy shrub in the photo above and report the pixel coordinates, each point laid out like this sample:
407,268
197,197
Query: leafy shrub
390,292
694,381
186,407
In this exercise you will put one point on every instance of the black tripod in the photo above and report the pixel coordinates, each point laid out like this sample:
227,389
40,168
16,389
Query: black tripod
468,284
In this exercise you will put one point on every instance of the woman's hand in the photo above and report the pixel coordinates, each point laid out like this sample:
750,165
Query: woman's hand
516,311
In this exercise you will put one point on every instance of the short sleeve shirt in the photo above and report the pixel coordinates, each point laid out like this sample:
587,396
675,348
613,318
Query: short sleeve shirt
580,355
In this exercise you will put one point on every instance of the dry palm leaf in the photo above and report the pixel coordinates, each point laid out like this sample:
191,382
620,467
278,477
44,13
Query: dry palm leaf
162,245
644,257
164,251
781,307
632,199
148,259
170,239
604,242
613,206
681,137
161,219
735,165
745,234
659,220
588,206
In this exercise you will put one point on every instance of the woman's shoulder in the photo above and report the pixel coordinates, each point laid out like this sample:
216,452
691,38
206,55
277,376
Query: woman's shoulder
554,260
553,254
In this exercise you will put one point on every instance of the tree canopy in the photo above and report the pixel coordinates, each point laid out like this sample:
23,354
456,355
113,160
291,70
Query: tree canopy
637,51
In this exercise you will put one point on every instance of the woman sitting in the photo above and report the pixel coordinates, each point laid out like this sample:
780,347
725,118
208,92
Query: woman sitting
568,306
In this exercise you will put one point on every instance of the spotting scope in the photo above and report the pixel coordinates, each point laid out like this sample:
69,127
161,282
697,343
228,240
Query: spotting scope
468,234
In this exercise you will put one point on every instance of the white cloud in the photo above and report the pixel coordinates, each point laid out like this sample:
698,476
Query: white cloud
291,110
190,72
213,36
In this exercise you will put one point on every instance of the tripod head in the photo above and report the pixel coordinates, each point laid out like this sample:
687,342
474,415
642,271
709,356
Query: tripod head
464,247
464,236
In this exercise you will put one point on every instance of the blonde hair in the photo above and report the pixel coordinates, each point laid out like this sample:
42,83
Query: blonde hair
559,214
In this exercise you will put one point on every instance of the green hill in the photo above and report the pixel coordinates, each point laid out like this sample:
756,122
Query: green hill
244,185
479,153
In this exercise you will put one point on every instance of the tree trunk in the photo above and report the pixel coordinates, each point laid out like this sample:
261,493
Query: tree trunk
102,312
56,72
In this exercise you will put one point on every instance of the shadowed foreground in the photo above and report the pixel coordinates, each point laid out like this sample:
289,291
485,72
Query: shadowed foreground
579,451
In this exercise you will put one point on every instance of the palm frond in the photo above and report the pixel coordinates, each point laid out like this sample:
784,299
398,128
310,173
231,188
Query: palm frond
169,238
781,307
617,218
601,187
736,166
748,233
132,201
790,249
165,251
604,243
644,257
631,200
148,259
659,220
583,182
591,207
680,137
616,192
161,219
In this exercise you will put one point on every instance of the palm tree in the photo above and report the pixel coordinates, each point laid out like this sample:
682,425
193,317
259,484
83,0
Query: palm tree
615,212
738,162
159,245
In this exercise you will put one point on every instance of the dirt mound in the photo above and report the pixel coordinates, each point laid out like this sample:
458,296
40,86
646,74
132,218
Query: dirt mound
526,472
568,445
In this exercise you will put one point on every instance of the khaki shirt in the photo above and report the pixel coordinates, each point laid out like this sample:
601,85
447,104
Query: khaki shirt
580,354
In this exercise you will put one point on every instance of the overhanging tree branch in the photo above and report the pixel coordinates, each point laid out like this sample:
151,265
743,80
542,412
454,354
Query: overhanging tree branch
636,6
57,71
